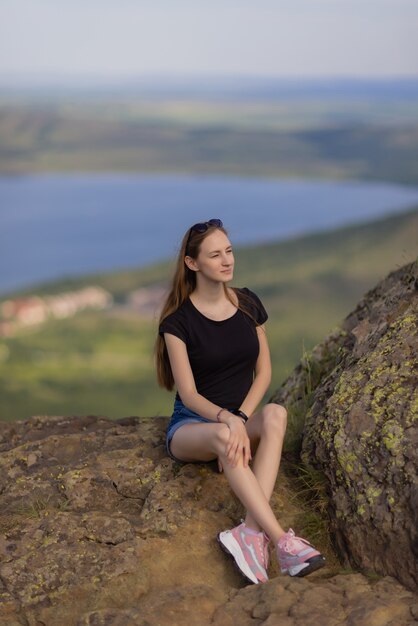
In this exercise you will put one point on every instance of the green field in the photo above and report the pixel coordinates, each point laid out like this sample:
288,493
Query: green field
101,362
362,139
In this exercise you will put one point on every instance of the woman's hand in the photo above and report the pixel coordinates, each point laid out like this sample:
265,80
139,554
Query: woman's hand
238,444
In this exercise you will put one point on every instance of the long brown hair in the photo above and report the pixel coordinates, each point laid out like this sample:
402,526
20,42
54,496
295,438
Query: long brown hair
183,284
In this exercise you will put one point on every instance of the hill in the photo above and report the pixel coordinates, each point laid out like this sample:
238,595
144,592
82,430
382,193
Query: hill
334,130
53,141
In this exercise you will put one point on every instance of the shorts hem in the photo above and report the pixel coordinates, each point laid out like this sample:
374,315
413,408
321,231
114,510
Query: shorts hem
174,428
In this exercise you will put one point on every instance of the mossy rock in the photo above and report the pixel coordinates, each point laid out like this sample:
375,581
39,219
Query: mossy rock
360,427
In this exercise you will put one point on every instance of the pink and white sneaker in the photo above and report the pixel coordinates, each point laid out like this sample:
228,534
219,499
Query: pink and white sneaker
296,556
249,549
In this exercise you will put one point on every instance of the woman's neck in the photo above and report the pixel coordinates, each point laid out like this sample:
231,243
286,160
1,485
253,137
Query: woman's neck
214,303
209,292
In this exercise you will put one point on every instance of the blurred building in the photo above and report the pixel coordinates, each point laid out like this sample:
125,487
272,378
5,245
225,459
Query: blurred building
34,310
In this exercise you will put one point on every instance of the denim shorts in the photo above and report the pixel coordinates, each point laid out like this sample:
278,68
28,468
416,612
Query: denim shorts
181,416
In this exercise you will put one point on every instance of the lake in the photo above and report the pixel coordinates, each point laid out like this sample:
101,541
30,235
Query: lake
60,225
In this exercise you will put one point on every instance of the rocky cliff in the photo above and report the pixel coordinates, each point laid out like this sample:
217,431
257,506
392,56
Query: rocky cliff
100,528
360,395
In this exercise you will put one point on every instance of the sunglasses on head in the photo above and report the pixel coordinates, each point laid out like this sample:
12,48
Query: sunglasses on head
202,227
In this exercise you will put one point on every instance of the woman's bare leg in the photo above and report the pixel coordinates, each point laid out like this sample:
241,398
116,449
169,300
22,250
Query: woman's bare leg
204,442
266,430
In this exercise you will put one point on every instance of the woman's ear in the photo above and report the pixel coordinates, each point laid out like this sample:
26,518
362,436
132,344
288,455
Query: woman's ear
191,263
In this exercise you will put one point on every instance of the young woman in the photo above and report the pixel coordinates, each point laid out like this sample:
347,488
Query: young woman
212,346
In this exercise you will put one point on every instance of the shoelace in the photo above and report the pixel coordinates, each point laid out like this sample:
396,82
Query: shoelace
293,543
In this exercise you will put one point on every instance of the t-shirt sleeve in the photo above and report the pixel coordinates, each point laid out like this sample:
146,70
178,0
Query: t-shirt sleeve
257,309
174,325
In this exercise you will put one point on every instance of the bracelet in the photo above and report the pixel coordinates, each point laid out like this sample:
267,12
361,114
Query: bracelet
240,414
219,413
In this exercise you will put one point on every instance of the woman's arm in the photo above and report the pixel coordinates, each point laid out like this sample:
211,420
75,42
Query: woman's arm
238,442
185,383
262,376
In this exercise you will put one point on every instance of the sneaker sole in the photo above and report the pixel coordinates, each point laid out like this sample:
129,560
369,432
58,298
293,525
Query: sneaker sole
315,563
231,547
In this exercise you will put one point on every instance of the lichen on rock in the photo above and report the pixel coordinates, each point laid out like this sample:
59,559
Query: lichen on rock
361,428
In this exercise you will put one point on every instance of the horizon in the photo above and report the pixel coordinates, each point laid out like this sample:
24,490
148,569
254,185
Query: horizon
218,86
38,79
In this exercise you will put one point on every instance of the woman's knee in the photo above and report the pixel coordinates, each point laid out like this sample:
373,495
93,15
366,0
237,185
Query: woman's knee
274,419
221,438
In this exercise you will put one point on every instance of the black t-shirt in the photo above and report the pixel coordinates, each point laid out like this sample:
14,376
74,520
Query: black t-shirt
223,353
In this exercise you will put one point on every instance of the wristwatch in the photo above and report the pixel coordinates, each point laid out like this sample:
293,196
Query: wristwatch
240,414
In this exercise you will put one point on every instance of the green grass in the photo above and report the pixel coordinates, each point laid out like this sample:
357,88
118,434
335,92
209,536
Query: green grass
90,364
102,364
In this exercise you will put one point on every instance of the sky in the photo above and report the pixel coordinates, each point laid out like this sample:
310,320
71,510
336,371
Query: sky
144,38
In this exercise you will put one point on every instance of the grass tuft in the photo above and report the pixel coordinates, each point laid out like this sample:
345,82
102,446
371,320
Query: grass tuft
37,506
311,497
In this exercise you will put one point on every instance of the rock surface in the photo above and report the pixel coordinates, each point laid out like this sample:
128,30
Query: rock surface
99,528
359,392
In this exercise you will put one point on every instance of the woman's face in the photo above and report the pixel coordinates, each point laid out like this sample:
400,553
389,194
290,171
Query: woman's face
215,260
